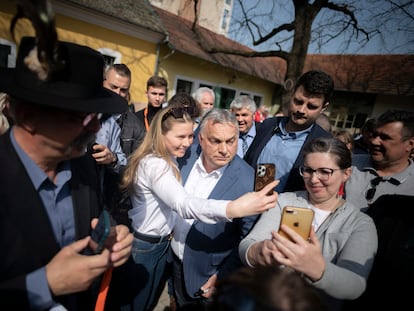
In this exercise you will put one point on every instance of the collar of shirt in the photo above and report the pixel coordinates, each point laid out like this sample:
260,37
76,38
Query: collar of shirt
285,135
395,179
199,166
36,174
250,133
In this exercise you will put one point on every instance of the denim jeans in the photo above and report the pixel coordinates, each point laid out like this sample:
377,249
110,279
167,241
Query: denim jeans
152,260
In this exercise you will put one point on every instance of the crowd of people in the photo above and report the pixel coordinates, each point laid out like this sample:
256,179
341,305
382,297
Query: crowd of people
177,177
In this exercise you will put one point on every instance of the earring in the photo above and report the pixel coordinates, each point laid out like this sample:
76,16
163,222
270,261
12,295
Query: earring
341,191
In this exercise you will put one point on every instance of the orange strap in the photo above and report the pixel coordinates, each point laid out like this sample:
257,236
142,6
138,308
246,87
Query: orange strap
146,118
103,290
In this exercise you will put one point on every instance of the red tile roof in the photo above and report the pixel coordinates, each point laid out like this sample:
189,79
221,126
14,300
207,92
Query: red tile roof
183,39
378,74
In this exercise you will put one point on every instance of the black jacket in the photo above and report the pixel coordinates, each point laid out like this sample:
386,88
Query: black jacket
263,135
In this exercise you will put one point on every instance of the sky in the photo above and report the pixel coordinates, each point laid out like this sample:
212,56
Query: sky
391,42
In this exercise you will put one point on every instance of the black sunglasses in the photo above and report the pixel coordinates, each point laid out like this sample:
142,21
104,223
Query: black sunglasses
177,112
369,195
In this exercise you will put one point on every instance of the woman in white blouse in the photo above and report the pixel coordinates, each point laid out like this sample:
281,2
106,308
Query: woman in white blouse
153,181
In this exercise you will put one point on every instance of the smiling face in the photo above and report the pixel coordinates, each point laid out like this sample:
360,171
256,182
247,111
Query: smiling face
388,147
245,118
206,103
219,144
304,109
324,192
179,138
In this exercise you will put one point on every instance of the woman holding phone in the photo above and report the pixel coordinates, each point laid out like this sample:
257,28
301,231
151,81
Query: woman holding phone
153,181
338,255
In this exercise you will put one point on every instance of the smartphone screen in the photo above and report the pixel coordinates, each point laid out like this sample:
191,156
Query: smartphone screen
265,174
297,218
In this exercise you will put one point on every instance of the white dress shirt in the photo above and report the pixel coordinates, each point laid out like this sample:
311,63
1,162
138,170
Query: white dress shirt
158,194
200,184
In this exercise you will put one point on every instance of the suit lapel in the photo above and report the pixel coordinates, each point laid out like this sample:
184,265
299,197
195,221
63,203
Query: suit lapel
26,211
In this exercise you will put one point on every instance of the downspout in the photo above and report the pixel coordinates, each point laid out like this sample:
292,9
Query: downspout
159,60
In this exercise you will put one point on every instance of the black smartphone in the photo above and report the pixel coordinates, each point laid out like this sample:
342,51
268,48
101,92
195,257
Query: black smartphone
89,148
265,174
101,232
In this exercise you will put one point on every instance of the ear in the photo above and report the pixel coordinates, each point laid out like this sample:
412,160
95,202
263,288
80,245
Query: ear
347,174
410,143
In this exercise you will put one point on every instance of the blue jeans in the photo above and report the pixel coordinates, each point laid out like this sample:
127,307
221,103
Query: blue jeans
152,261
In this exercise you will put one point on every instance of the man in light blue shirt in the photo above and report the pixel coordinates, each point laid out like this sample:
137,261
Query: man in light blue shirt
280,139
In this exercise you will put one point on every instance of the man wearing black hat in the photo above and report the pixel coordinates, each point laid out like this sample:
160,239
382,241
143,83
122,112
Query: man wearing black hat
49,190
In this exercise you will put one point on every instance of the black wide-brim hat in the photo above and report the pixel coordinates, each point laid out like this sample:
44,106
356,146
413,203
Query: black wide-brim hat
76,86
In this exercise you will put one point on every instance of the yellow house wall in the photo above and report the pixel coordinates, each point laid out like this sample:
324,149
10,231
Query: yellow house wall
138,55
179,64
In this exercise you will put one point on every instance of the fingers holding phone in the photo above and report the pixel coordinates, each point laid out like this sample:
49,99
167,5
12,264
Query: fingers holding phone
265,174
298,219
103,234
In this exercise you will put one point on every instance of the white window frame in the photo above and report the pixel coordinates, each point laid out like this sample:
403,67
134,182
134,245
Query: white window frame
196,84
112,53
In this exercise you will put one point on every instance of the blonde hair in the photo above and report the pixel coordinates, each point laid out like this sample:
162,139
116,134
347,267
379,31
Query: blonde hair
4,122
154,144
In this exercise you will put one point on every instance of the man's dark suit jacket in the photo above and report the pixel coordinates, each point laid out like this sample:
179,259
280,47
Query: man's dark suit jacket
268,128
213,248
26,235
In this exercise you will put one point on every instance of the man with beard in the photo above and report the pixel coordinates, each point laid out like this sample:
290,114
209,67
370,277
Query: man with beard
280,139
49,193
385,191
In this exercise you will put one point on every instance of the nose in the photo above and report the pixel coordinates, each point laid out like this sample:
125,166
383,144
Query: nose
222,148
301,109
314,178
187,142
374,140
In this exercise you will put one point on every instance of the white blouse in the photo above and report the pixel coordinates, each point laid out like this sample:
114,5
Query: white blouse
158,194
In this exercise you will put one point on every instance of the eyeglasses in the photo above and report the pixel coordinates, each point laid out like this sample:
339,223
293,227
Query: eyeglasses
178,112
369,195
323,173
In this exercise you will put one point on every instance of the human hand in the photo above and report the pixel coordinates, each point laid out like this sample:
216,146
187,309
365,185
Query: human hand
122,247
208,288
261,253
103,155
253,203
119,243
302,255
70,272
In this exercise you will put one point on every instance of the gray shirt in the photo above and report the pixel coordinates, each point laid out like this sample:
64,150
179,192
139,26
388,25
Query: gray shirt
362,180
349,243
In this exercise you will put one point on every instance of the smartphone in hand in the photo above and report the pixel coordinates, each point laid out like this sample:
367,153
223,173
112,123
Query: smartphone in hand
265,174
102,231
297,218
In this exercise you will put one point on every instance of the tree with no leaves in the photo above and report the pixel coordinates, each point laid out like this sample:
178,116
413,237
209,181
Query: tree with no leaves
287,28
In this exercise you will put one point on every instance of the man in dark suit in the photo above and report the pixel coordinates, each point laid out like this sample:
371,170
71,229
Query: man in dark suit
49,190
280,139
203,252
244,107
